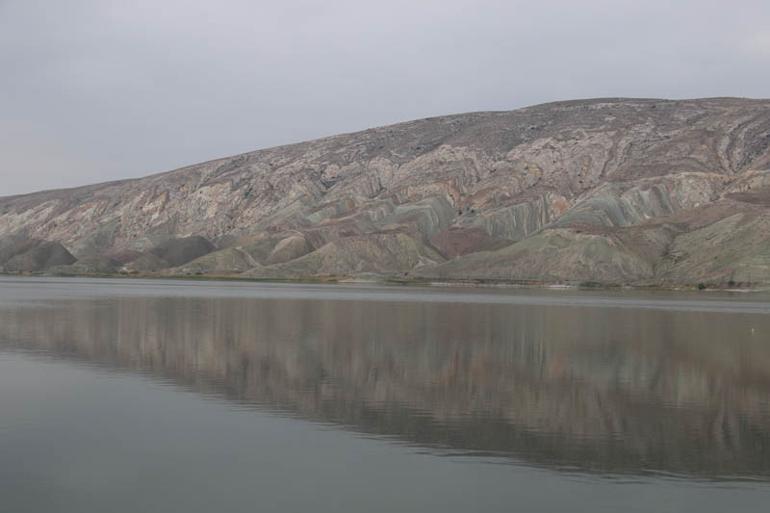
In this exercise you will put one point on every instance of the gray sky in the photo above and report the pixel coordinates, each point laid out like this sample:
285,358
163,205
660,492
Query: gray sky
94,90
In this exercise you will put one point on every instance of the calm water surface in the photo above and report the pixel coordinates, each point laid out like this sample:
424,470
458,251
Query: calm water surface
167,396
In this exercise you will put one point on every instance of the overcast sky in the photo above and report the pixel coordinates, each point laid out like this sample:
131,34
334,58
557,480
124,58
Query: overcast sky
94,90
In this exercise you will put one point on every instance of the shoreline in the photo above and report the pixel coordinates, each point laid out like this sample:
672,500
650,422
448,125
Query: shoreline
414,282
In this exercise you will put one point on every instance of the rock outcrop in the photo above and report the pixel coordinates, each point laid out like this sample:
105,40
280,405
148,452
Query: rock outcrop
615,191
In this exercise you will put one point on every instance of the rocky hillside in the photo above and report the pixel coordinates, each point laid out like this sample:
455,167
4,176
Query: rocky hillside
616,191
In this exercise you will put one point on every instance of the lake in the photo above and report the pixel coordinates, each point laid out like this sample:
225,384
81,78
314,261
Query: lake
178,396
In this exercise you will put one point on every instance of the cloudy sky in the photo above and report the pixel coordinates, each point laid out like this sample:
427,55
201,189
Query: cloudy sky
94,90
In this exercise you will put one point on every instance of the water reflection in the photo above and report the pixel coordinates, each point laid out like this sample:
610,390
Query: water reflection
608,390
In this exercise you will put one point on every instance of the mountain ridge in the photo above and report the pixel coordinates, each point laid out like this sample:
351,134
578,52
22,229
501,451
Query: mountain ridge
354,132
608,190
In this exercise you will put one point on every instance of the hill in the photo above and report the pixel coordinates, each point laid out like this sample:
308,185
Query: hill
613,191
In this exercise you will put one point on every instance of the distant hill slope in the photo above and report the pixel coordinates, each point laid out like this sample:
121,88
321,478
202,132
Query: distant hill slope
615,191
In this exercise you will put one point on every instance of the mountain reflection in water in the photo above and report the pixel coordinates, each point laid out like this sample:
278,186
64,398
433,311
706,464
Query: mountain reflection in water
587,388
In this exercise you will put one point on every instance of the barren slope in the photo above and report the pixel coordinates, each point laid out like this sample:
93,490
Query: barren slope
609,190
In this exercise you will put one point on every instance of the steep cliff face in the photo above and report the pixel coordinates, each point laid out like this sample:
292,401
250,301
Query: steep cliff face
611,190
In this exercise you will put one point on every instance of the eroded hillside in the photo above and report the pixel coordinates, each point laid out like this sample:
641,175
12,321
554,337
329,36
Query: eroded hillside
612,191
